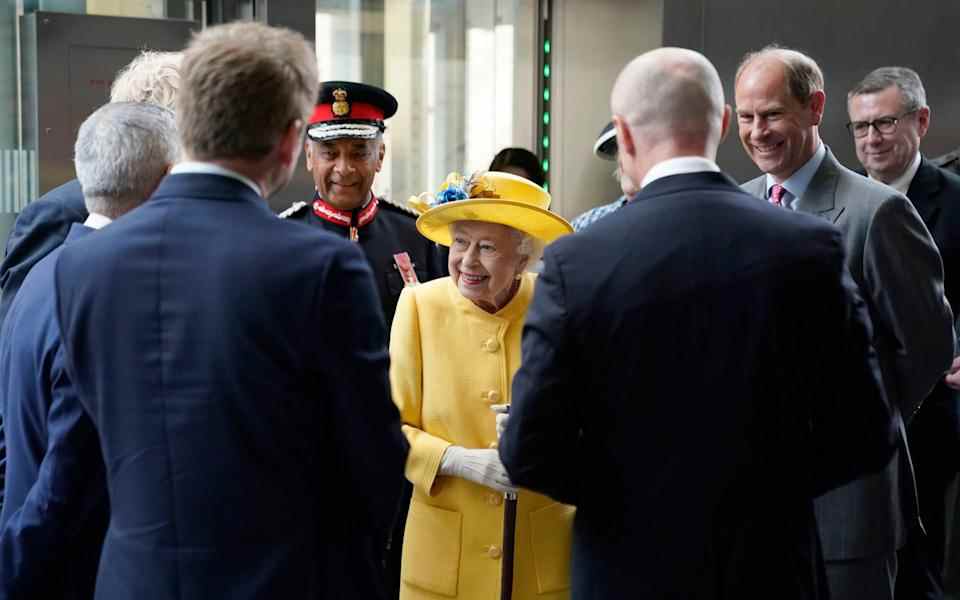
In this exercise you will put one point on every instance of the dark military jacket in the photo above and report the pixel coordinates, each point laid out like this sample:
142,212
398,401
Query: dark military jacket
391,230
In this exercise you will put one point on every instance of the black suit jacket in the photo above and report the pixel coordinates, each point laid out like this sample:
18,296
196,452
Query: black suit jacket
677,388
935,193
235,367
949,161
392,230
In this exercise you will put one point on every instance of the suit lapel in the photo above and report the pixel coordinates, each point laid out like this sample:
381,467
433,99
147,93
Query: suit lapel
923,192
820,198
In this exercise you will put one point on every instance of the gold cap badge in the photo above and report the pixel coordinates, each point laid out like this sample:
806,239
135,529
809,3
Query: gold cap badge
341,107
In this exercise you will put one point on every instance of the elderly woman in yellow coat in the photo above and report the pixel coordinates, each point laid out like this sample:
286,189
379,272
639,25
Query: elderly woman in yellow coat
454,347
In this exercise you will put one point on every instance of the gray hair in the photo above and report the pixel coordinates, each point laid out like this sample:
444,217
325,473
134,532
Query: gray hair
152,77
912,94
804,76
122,151
529,246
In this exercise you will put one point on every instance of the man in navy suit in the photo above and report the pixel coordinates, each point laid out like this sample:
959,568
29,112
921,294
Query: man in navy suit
235,366
888,118
680,394
45,223
49,550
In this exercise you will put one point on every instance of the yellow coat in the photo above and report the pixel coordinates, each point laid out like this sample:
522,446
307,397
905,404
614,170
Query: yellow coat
450,360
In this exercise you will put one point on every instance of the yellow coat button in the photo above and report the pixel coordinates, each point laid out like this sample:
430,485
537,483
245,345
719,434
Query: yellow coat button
494,499
493,396
492,445
491,345
493,552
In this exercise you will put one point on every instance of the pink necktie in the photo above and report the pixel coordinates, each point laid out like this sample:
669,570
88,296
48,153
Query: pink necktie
776,194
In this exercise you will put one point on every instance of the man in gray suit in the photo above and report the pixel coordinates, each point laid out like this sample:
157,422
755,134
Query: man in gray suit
893,259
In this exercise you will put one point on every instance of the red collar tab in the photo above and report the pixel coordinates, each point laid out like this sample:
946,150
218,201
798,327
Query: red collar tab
362,111
346,218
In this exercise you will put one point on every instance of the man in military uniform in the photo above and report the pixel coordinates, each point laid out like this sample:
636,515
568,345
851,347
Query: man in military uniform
344,152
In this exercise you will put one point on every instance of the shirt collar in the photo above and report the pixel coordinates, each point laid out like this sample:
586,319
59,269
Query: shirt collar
208,168
797,183
680,165
97,221
902,183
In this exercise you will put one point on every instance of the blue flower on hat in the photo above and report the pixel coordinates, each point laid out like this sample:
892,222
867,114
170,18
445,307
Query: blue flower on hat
451,194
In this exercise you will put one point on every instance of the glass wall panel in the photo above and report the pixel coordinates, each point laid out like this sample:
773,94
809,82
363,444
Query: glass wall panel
452,64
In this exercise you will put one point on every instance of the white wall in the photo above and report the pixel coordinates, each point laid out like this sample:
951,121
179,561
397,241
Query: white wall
592,41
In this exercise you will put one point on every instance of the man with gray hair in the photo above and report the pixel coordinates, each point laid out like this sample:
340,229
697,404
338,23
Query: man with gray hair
49,548
44,223
679,393
889,253
889,116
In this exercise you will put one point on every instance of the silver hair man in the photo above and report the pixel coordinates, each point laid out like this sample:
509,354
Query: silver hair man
122,152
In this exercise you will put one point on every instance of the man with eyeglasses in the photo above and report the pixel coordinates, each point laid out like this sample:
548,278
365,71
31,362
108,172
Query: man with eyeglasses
888,118
891,256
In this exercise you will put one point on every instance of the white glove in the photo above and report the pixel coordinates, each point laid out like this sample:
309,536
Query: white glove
503,416
479,466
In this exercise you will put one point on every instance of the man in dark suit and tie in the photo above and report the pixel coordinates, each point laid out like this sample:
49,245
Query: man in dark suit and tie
888,118
680,394
49,550
893,259
235,366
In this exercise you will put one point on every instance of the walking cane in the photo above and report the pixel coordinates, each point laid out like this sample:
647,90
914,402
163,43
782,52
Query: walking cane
509,533
509,529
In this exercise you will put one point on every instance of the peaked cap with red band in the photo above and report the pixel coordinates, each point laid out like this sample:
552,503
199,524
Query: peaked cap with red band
346,109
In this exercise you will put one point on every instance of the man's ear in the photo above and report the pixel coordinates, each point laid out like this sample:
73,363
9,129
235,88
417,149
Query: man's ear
288,148
308,153
625,142
725,124
923,121
818,100
381,152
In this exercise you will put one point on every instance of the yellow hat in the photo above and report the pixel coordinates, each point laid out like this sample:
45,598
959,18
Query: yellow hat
489,196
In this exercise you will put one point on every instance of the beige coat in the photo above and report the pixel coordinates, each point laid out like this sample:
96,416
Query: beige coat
450,361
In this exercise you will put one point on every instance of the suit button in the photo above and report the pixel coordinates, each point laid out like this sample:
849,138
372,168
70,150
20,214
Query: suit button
492,445
493,552
494,499
491,345
493,396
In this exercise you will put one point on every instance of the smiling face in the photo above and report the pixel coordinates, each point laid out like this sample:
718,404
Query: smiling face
778,132
343,169
886,156
484,262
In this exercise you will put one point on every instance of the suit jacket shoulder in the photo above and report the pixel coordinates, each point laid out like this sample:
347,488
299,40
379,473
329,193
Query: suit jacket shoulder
40,227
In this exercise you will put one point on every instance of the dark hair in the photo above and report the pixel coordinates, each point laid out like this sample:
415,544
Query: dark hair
519,158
